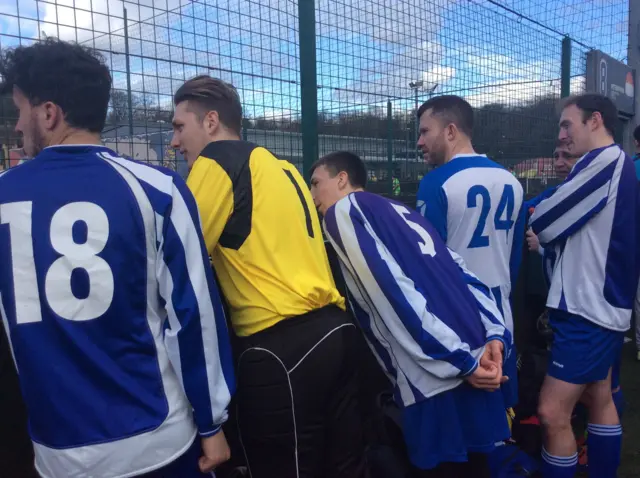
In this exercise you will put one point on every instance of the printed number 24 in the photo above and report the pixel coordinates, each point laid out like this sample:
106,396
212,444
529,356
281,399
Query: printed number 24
505,208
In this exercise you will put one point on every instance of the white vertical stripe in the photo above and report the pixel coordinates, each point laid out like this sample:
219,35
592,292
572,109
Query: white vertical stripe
166,282
181,217
363,299
155,314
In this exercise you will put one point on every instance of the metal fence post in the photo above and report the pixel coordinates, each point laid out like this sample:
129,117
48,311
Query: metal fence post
129,98
565,78
390,147
308,84
633,60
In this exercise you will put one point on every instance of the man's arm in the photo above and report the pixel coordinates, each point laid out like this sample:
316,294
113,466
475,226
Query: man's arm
533,202
197,339
213,191
429,341
432,204
579,198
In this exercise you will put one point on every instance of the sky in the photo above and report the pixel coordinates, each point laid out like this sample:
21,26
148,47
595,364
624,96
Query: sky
368,51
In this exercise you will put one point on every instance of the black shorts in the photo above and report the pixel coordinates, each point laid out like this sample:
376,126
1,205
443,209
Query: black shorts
297,405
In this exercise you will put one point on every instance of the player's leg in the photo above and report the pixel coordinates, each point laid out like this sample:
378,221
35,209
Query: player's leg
616,388
265,413
344,433
556,404
605,432
287,378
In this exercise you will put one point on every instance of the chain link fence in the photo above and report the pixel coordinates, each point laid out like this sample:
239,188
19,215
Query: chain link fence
355,84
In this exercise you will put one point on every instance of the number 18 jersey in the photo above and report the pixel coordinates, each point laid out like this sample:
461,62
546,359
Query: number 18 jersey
476,206
113,317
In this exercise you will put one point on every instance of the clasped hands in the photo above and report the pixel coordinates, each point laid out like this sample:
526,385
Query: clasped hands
488,374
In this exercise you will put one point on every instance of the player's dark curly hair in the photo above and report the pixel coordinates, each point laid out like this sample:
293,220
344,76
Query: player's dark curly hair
71,76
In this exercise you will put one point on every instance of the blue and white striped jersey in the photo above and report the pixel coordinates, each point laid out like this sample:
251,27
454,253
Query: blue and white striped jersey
424,315
589,230
114,319
475,204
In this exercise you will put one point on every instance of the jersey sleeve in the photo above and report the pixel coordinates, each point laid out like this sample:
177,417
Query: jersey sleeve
579,198
533,202
492,319
430,342
196,337
432,204
213,191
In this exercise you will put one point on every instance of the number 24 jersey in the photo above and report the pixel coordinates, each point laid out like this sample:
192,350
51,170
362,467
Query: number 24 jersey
475,204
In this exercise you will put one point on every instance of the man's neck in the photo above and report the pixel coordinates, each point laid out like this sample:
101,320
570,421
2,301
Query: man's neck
601,141
75,137
464,148
225,136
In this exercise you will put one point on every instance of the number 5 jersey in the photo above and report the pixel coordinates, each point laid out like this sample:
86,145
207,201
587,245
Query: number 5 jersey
114,320
425,316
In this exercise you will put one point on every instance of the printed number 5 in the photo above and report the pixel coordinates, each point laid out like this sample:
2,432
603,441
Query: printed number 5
57,282
507,202
426,247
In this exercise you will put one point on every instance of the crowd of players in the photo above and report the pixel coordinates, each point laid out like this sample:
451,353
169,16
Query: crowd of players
132,350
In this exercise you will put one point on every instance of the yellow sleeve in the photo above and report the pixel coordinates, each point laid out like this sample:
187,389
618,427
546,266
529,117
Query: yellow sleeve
213,190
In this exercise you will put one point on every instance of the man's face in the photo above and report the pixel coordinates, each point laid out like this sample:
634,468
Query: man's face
189,134
29,124
432,140
574,132
564,161
325,189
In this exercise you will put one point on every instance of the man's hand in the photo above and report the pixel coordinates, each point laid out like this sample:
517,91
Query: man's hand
493,354
532,241
485,378
215,451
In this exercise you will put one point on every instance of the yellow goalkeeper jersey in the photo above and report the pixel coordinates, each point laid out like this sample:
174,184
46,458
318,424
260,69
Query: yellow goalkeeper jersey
263,233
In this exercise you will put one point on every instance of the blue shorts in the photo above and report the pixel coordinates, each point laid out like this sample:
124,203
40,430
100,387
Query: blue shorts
582,352
510,388
446,427
615,372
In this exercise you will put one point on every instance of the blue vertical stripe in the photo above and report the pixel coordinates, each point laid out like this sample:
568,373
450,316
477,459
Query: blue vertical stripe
388,284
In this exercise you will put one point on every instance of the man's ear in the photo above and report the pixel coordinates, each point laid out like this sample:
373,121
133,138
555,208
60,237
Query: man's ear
451,131
211,122
343,179
596,120
52,115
